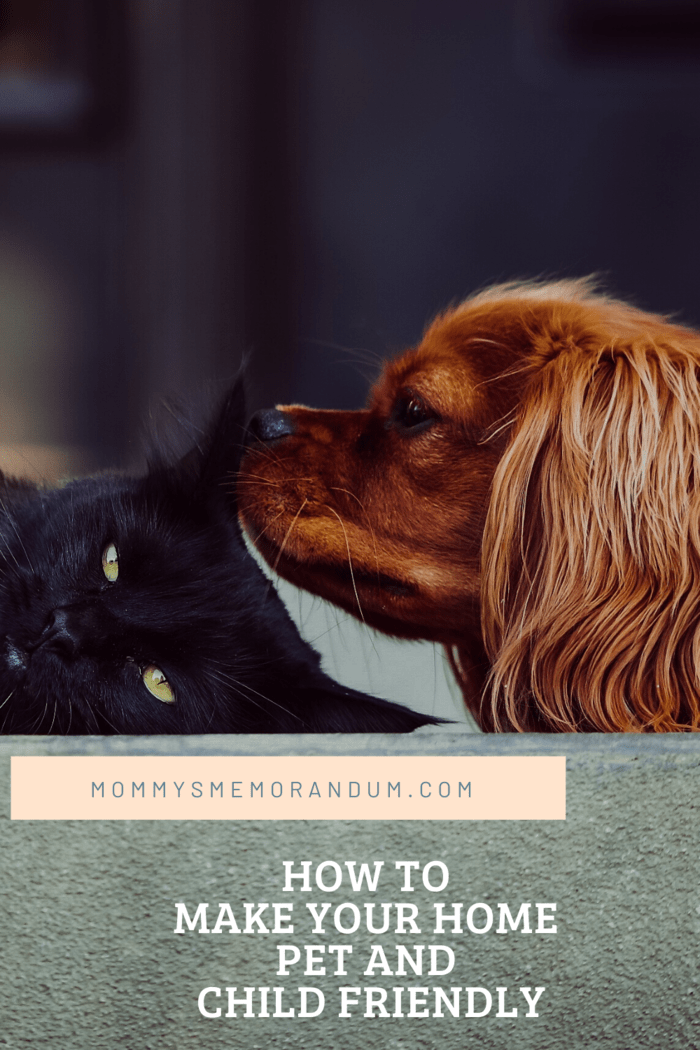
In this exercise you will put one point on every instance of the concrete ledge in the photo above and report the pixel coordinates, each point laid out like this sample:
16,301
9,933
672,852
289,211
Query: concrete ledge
430,740
90,960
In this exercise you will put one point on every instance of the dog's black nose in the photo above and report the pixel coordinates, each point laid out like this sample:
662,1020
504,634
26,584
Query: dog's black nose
269,424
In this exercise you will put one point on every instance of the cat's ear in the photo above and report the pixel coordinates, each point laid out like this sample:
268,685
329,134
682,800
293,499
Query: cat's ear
212,463
15,490
225,437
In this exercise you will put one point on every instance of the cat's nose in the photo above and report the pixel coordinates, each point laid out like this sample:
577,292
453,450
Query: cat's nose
61,634
269,424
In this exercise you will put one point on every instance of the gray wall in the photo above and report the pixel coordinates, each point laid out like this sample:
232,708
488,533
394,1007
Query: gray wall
311,180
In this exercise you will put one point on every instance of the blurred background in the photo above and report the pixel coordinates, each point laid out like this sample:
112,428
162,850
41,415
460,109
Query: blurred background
310,180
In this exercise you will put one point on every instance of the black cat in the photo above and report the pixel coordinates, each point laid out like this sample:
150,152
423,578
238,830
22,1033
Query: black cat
131,605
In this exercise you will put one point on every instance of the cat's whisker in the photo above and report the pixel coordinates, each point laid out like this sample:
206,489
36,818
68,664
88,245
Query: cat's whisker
37,722
94,717
53,719
16,531
91,717
8,697
111,725
244,688
8,550
240,687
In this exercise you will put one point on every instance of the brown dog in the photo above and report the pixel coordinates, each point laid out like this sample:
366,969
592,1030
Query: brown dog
529,476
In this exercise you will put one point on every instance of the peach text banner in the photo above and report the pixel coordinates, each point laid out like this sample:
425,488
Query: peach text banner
288,788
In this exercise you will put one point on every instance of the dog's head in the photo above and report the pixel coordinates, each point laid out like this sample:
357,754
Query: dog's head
382,510
532,461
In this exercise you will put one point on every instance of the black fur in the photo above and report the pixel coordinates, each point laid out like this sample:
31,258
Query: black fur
188,599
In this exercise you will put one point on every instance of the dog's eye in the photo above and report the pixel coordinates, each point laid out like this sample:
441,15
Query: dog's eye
412,410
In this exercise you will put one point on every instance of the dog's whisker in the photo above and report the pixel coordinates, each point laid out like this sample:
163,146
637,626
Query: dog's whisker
352,576
483,339
498,427
275,483
333,627
364,354
508,373
256,539
335,488
288,534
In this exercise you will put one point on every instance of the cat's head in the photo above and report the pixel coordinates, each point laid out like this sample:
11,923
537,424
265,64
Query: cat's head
131,605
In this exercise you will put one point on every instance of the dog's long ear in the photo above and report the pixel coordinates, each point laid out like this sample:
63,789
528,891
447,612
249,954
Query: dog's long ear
591,564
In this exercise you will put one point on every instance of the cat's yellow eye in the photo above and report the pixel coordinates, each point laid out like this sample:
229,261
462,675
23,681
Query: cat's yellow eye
110,563
157,684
